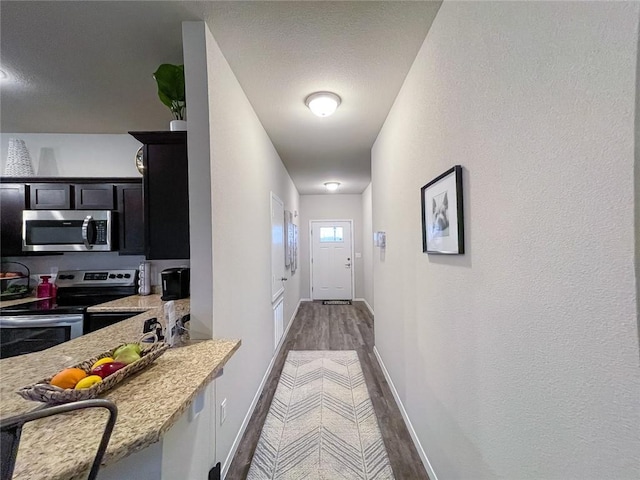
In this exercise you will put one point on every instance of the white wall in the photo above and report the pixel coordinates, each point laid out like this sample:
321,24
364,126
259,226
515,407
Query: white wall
245,168
329,207
77,155
519,359
195,39
368,249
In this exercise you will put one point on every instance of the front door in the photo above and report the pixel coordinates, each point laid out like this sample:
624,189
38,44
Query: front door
331,260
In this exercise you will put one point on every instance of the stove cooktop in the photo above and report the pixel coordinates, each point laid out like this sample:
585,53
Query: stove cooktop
41,307
79,289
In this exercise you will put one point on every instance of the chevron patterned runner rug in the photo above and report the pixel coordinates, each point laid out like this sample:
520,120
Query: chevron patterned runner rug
321,423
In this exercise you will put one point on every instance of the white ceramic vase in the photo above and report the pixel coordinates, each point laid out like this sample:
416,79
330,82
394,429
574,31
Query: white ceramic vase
178,125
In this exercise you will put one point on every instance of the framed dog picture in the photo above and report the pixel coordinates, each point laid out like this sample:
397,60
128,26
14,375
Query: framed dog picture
442,218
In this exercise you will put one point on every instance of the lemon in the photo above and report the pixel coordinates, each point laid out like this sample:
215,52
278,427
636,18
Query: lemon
89,381
101,361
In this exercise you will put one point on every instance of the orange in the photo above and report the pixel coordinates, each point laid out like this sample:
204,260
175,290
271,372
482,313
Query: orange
68,378
101,361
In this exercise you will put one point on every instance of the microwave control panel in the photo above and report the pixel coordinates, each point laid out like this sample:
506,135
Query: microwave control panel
101,232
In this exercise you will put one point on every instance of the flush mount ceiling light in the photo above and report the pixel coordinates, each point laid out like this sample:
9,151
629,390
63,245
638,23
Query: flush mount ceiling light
332,186
3,75
322,104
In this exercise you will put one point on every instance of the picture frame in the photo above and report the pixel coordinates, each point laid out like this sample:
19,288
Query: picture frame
294,256
442,214
288,238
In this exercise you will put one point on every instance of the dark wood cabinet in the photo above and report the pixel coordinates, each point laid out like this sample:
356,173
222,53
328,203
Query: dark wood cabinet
50,196
165,188
123,196
94,196
130,219
96,320
13,200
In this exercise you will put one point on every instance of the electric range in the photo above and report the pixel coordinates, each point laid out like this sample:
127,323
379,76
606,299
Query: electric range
34,326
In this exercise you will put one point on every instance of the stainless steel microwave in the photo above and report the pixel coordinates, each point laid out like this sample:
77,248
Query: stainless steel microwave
66,231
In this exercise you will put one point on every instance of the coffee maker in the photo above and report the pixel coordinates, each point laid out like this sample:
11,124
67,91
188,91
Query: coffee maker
175,283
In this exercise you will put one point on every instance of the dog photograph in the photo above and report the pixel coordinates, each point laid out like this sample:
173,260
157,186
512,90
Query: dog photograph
440,210
442,218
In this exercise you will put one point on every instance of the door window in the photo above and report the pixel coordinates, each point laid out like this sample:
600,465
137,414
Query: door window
331,234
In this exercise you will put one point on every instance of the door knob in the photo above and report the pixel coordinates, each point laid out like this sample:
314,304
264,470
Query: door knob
284,279
347,264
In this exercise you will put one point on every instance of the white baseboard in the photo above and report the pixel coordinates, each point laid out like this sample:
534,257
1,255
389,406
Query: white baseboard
256,397
365,302
407,421
306,299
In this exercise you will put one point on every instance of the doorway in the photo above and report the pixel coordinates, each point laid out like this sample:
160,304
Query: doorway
331,259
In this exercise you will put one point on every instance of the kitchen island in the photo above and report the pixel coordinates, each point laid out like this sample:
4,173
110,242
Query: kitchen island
149,403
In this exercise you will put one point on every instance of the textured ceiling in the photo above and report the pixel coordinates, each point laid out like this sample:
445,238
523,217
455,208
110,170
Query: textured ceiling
85,67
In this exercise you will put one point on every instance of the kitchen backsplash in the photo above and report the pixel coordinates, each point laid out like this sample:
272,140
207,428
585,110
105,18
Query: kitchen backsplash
46,265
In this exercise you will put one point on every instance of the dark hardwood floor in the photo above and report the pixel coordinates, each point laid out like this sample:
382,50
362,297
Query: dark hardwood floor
337,327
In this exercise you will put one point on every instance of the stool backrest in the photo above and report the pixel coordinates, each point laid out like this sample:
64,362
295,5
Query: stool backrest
11,429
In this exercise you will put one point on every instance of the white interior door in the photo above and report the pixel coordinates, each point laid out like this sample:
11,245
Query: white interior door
331,260
277,247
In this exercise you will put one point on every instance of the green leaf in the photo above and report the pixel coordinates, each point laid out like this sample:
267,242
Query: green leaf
171,90
164,99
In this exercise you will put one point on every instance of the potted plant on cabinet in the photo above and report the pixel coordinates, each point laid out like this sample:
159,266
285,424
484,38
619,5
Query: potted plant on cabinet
170,80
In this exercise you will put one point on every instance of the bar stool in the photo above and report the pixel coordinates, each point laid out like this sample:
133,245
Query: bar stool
11,429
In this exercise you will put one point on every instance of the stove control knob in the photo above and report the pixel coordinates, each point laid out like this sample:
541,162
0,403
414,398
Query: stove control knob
119,275
112,275
62,277
127,275
70,277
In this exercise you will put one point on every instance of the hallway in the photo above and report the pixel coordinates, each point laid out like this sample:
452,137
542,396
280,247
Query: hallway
337,327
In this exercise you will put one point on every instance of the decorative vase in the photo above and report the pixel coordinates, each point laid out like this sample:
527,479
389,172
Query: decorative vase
178,125
18,159
47,164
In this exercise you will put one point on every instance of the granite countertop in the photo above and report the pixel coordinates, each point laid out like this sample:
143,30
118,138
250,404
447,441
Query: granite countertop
149,403
135,303
20,301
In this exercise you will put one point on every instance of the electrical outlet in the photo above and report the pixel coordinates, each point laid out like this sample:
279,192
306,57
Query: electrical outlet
223,411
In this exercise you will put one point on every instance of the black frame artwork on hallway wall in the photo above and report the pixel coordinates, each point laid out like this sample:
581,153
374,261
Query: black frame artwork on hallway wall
442,214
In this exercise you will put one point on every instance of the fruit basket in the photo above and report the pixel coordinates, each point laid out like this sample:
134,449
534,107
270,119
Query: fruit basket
43,391
14,281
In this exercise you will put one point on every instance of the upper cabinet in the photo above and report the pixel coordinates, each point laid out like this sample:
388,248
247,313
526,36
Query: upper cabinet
91,196
12,201
130,221
50,196
79,196
165,187
122,196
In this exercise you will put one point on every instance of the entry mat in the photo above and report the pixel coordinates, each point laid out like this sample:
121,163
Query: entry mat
321,424
336,302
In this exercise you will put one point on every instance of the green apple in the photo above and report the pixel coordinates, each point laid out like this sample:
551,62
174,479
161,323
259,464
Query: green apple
127,356
135,347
